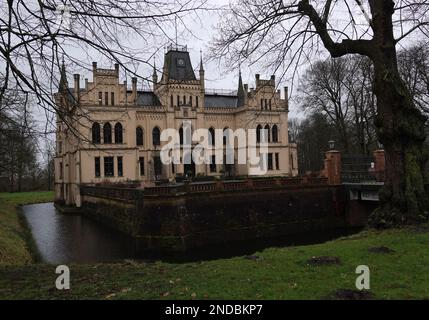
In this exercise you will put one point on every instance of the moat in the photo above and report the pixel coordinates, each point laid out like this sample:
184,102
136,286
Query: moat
65,238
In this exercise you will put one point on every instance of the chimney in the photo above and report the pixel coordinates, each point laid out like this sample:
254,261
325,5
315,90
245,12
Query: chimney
94,71
257,79
86,83
286,90
76,77
273,80
117,69
246,91
134,90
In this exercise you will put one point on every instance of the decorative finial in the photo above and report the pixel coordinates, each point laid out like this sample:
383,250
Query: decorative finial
201,60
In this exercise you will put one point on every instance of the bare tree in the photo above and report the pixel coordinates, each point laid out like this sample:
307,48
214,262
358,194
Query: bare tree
290,32
37,35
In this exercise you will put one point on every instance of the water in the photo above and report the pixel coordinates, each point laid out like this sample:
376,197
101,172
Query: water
65,238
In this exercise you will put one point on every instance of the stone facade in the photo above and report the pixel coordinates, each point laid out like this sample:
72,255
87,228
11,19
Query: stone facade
107,133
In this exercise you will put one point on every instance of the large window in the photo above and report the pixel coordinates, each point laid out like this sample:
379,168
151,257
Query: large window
156,136
213,164
100,98
120,167
275,135
139,136
106,98
277,162
267,132
118,133
108,167
95,132
97,166
112,98
270,161
258,133
141,164
107,133
212,139
61,170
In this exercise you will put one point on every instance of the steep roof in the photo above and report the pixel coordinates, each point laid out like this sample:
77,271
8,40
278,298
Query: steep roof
176,71
220,101
147,98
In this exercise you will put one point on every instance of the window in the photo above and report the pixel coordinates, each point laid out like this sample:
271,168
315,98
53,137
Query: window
112,98
60,147
213,164
120,167
225,136
106,98
190,101
270,161
267,132
275,133
100,98
196,102
181,135
277,162
95,132
107,133
139,136
157,167
266,104
61,170
178,101
156,136
212,139
97,166
184,100
118,133
269,103
258,133
108,167
262,104
171,101
141,164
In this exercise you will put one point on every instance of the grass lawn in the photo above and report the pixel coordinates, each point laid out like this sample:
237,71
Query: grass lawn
275,273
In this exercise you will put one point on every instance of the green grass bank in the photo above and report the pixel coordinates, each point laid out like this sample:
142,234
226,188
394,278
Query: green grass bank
398,261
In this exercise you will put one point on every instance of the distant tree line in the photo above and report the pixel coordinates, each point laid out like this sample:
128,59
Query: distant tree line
22,166
338,99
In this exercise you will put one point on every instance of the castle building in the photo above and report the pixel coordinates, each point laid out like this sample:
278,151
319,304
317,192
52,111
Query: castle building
107,133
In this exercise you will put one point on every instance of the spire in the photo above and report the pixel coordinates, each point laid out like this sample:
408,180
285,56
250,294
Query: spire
63,77
201,61
240,91
154,68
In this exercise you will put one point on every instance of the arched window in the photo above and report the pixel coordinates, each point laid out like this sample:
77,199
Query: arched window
267,132
258,133
275,133
171,101
139,136
181,135
95,132
225,135
118,133
156,136
107,133
212,137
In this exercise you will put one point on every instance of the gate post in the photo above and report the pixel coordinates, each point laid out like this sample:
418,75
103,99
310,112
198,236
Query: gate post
333,167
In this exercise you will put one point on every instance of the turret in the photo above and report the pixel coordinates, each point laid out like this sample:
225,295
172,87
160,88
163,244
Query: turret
154,76
201,72
240,91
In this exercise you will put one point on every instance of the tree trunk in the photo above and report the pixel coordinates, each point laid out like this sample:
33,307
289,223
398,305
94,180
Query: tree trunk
400,128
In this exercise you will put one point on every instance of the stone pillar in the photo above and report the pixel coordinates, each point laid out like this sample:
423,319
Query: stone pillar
333,167
379,164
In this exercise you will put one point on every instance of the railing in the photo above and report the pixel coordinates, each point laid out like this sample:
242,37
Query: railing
128,194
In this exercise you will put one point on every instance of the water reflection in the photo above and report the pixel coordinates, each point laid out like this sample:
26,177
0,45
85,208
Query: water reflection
64,238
